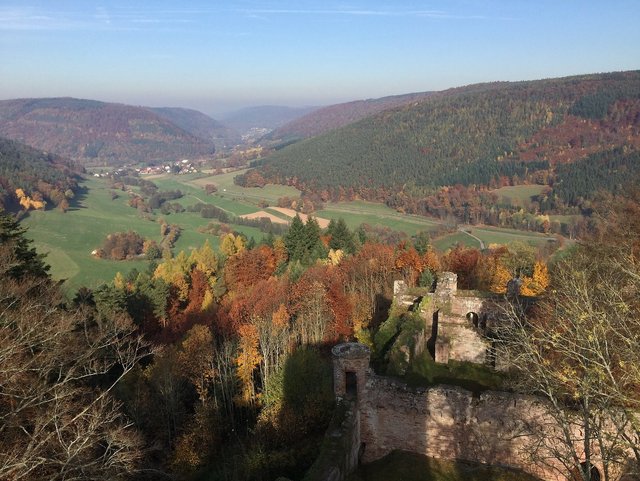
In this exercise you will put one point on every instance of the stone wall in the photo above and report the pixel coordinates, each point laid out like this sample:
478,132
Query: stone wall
340,451
447,422
457,321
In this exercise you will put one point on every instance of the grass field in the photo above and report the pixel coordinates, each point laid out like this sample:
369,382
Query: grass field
519,192
270,192
405,466
443,243
497,235
357,212
69,238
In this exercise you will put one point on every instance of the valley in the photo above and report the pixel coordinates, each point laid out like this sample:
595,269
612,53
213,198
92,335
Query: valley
447,244
69,238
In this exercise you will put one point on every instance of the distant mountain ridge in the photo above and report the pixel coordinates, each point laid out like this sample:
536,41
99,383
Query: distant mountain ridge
266,116
474,135
335,116
200,125
95,132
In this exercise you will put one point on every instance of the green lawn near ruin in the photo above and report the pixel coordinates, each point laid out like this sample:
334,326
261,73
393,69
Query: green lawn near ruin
405,466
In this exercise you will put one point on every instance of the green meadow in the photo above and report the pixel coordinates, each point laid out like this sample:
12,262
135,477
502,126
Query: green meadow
69,238
519,192
357,212
226,188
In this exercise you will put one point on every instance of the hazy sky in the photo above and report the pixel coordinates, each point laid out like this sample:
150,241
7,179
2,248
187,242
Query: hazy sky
217,55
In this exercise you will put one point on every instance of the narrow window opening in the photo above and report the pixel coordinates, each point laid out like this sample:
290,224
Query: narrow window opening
351,385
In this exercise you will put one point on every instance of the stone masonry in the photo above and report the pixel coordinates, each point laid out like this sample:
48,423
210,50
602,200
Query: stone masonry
445,422
458,322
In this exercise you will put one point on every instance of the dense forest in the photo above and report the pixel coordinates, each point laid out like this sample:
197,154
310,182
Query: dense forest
335,116
33,179
98,133
200,365
472,140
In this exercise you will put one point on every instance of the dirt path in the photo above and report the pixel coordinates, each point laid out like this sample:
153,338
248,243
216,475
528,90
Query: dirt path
471,235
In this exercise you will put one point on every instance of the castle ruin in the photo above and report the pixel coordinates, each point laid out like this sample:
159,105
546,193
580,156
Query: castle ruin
381,414
458,324
377,415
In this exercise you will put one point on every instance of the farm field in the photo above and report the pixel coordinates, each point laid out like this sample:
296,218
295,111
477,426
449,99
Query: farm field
68,238
519,192
357,212
497,235
270,192
447,241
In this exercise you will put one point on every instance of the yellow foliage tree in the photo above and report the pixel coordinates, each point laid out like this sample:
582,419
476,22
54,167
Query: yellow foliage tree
500,278
280,250
248,359
205,260
335,256
231,245
118,281
208,301
27,202
538,282
175,271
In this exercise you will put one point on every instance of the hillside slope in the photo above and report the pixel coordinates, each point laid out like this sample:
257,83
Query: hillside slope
97,133
478,134
200,125
335,116
40,176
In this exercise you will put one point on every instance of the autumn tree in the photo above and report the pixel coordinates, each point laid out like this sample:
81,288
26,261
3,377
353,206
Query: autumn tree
410,264
248,360
58,417
232,244
580,350
463,261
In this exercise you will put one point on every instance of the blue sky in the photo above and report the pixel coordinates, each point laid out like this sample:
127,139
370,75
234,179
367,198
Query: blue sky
219,55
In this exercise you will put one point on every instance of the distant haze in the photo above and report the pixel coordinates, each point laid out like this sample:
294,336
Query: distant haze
220,56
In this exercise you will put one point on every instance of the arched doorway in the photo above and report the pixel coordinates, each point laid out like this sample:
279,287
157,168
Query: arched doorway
473,318
579,476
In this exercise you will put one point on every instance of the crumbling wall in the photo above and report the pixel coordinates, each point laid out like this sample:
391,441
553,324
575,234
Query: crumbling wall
456,321
445,422
449,422
339,454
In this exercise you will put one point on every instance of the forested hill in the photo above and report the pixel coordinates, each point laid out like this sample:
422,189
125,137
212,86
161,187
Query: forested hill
41,177
335,116
97,132
200,125
479,134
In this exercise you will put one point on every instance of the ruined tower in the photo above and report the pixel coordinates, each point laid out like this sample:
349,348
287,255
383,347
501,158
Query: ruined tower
350,366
